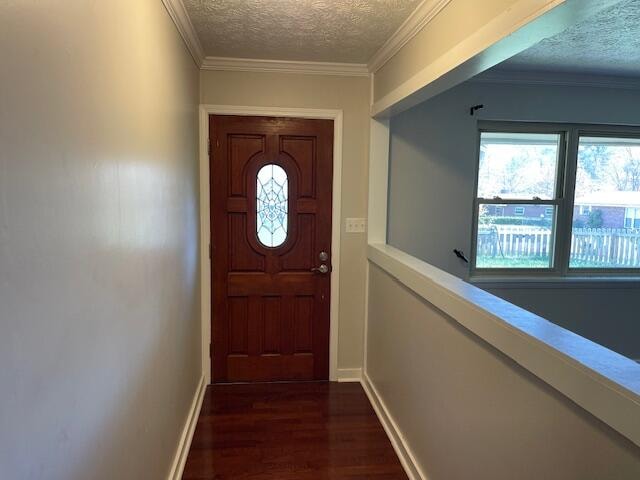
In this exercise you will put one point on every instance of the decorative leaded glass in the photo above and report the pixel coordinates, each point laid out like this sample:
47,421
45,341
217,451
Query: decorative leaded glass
273,207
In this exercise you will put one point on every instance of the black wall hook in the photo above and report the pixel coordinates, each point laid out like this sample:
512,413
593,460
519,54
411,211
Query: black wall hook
473,109
460,255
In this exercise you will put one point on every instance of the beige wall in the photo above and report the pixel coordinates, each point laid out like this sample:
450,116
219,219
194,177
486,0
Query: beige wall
456,22
467,411
350,94
99,319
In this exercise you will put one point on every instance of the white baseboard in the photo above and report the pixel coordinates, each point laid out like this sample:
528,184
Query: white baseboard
349,374
177,466
393,432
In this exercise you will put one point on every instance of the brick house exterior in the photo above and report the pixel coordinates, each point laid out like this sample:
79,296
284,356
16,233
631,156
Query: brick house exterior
617,210
524,211
612,217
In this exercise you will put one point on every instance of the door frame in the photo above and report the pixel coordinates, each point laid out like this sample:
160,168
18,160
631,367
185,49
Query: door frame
205,223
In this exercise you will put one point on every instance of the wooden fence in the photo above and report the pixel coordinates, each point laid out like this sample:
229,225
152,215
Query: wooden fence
617,247
589,246
513,241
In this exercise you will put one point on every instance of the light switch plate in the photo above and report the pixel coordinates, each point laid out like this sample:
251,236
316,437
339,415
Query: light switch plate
356,225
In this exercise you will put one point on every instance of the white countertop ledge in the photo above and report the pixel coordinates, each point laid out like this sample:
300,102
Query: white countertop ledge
601,381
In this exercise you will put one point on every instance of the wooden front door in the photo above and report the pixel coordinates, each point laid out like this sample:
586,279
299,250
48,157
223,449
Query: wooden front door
271,182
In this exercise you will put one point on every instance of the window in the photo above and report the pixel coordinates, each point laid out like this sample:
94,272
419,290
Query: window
608,180
632,218
570,198
272,205
518,170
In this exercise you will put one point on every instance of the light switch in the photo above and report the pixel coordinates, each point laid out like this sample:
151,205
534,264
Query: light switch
356,225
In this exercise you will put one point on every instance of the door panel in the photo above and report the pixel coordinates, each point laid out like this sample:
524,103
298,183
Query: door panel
270,312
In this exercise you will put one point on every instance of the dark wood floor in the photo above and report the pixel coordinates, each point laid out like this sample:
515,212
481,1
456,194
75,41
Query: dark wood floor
289,431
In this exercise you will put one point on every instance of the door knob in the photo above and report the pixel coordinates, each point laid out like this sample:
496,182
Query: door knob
321,269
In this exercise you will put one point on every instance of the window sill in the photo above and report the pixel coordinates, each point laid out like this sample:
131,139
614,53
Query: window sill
545,282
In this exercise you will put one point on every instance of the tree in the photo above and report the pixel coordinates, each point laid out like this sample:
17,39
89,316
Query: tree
608,168
595,219
513,169
632,170
592,168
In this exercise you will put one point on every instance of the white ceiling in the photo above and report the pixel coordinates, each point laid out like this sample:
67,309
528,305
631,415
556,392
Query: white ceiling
348,31
606,44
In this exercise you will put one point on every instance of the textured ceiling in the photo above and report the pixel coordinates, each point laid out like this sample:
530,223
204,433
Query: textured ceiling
606,44
310,30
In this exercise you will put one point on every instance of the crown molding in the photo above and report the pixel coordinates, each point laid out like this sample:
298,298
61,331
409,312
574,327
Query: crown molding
518,77
285,66
178,14
419,18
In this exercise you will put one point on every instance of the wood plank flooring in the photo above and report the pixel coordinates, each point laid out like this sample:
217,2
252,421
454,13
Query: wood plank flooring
290,431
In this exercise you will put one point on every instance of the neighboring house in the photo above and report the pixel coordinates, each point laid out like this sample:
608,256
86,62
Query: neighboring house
619,209
524,211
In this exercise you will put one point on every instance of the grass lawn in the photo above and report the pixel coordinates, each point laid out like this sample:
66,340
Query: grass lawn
512,262
538,262
579,263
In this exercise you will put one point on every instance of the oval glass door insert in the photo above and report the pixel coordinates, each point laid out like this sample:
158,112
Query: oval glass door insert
272,205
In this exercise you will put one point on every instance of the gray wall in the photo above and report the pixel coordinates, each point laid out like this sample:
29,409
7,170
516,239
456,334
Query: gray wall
467,411
432,174
99,316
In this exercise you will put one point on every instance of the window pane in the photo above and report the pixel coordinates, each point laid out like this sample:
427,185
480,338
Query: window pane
518,165
509,241
606,234
272,205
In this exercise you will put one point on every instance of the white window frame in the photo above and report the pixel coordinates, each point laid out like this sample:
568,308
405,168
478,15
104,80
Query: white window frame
635,217
586,209
518,211
563,202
